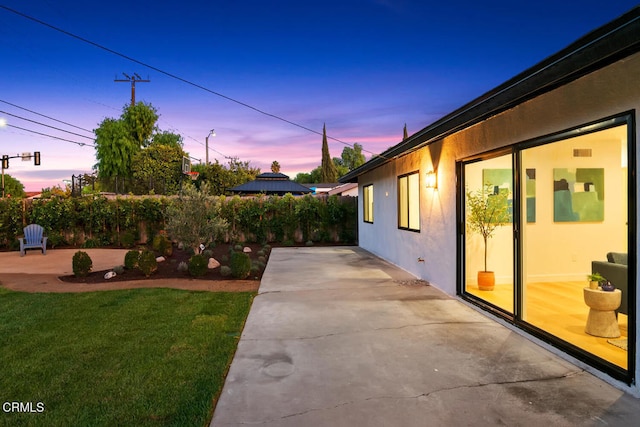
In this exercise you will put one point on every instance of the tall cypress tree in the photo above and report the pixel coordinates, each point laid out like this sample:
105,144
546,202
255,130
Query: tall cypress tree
329,173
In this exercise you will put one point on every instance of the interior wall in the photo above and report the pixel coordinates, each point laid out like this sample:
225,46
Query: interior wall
564,250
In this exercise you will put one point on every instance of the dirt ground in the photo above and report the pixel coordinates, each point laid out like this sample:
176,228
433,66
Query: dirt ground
168,269
167,275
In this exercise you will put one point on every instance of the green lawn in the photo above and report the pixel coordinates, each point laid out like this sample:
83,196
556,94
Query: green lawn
130,358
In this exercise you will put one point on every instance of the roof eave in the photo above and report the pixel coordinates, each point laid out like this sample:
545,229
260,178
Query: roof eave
599,48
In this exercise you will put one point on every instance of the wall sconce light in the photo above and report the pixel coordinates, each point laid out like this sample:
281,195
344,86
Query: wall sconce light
431,180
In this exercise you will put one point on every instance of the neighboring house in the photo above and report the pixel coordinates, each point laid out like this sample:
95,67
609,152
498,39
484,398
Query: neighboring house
271,183
322,188
559,139
348,189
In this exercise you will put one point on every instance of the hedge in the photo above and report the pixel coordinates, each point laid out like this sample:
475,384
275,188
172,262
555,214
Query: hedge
96,221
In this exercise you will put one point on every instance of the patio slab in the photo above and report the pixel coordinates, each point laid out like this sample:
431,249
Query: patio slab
339,337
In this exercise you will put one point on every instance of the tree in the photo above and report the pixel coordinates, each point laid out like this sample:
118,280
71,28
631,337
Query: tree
140,122
341,168
117,140
13,187
167,138
303,178
195,218
486,211
159,168
353,157
328,168
114,149
275,167
220,177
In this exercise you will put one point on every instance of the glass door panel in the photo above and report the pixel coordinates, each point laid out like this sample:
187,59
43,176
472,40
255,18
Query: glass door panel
574,213
489,231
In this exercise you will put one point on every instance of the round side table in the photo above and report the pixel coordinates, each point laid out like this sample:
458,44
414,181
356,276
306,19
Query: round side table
602,320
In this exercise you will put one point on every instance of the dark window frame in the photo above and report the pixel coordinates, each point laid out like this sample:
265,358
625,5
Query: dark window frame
408,202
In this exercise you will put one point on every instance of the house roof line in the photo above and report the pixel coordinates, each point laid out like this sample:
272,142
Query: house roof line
598,48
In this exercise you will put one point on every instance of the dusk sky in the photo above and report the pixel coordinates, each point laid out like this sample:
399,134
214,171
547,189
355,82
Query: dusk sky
363,67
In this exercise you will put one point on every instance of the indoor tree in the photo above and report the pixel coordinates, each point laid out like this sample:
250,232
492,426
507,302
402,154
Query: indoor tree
487,209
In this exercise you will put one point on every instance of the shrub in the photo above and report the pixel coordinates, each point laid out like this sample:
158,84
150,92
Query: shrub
128,239
225,270
81,264
198,265
195,217
183,267
91,243
255,269
240,265
207,253
162,245
118,269
238,248
131,259
147,262
260,253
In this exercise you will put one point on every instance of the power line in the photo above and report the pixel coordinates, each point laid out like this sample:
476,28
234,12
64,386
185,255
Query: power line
81,144
173,76
45,116
42,124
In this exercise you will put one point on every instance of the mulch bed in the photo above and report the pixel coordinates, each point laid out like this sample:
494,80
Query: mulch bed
168,269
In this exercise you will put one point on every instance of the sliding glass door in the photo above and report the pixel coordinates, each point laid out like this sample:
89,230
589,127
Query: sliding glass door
543,217
574,203
489,231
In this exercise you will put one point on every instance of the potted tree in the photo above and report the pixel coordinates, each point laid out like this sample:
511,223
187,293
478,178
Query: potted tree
486,211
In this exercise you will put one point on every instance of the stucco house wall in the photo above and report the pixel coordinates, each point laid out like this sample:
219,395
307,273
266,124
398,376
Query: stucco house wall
431,253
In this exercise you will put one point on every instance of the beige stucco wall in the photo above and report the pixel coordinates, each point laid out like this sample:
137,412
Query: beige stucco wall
431,253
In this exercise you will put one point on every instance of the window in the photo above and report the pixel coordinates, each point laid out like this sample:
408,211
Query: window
409,202
367,202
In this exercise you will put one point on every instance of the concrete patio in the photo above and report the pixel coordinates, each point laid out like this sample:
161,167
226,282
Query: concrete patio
338,337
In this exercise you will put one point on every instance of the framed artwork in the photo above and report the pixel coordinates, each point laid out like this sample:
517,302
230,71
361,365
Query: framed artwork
578,194
500,181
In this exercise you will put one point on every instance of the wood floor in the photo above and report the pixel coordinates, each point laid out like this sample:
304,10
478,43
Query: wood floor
559,309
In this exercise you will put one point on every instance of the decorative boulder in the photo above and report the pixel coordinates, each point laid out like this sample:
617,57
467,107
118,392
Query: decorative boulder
160,259
246,249
213,263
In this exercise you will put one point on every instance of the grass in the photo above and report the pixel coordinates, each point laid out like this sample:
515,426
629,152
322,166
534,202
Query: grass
143,357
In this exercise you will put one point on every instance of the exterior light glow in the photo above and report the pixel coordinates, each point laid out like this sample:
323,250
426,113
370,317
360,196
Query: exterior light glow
431,180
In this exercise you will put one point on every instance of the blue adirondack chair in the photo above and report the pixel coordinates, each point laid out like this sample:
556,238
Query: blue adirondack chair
33,239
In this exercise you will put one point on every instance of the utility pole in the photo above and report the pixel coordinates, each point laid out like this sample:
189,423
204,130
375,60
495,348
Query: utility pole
133,79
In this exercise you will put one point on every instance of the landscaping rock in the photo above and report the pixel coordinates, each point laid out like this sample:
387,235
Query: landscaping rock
213,263
160,259
246,249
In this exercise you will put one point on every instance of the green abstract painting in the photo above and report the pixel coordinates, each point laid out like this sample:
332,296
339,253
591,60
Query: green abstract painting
500,180
578,194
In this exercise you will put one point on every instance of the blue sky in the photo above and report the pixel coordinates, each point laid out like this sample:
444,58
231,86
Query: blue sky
363,67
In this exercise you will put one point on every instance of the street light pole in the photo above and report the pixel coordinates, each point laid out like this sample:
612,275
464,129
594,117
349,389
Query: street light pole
206,145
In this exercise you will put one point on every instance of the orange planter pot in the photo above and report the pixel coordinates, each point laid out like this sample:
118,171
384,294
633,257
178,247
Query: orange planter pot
486,280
